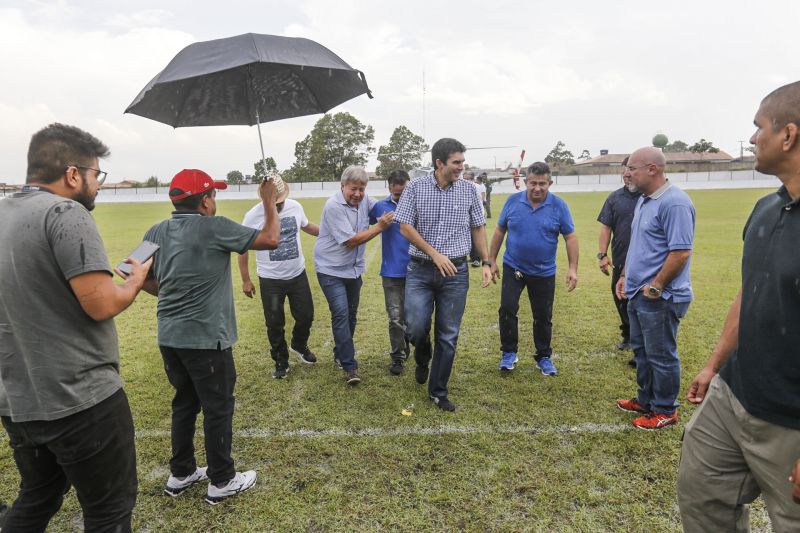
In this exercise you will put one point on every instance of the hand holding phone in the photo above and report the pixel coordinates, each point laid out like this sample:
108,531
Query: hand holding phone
142,253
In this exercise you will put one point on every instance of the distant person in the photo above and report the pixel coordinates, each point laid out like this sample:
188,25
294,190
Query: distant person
394,261
440,215
615,219
533,220
61,397
344,231
487,200
197,325
657,284
474,253
282,275
744,439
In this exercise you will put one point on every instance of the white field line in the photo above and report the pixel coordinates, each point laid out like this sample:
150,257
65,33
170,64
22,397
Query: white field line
263,433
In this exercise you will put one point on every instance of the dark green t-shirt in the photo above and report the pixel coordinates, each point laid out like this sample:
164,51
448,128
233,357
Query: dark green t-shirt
193,270
55,360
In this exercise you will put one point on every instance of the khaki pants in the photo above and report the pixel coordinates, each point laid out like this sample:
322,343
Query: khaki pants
730,457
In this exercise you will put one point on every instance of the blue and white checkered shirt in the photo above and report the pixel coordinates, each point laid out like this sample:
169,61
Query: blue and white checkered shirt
442,217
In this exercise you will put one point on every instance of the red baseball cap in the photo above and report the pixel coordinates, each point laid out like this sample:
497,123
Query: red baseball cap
191,181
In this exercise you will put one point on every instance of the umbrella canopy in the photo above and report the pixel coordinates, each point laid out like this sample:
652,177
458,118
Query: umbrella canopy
246,80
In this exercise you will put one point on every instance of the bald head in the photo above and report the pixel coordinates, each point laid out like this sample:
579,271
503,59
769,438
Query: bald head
649,155
645,169
782,106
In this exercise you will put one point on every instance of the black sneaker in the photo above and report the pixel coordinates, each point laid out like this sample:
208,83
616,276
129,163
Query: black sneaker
624,345
421,373
443,403
632,362
280,373
397,367
305,355
338,363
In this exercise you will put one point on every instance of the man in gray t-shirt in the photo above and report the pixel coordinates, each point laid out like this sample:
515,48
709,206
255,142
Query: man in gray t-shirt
197,326
61,397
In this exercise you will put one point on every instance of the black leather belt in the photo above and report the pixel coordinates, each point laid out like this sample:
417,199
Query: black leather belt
457,261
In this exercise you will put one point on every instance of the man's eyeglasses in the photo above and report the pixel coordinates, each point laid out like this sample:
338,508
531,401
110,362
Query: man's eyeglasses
631,169
101,175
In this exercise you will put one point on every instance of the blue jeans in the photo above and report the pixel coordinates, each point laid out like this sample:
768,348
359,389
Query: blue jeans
343,296
654,332
426,290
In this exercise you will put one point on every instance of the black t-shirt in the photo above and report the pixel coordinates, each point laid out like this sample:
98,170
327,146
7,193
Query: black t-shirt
617,214
764,371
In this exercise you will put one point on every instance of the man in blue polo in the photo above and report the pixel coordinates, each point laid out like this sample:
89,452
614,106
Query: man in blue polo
441,215
394,261
658,288
533,220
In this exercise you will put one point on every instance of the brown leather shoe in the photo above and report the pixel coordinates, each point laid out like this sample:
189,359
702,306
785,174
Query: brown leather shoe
351,377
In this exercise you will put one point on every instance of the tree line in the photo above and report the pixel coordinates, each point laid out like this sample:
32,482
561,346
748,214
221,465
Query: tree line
339,140
336,142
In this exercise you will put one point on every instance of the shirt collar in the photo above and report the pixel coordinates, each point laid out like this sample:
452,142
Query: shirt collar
784,194
389,199
186,214
658,193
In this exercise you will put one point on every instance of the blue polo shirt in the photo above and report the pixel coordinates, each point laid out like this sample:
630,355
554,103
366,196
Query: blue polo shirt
662,222
394,247
532,234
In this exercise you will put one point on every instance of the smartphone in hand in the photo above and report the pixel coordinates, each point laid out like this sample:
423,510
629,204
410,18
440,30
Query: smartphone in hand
142,253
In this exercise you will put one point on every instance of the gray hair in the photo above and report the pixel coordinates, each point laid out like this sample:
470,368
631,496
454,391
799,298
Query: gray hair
355,173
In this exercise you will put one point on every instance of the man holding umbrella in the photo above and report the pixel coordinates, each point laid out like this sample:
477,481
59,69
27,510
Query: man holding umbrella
191,276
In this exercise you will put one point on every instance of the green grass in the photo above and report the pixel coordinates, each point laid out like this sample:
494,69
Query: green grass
523,452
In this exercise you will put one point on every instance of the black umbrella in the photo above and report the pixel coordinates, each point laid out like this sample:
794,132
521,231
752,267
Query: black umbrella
248,79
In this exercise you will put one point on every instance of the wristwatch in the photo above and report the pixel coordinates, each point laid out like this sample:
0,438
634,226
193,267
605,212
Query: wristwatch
654,291
487,262
601,255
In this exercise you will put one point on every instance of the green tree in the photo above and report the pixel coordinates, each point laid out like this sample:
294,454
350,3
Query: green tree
560,156
152,181
676,146
404,152
263,168
703,146
234,177
336,142
585,155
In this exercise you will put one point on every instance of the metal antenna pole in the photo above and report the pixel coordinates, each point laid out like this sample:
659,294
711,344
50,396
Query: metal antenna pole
258,124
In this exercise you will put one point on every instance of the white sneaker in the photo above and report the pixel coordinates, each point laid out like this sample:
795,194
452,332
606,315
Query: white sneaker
240,483
176,486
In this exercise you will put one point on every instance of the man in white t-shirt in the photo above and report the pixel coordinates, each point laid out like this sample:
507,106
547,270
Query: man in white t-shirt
282,273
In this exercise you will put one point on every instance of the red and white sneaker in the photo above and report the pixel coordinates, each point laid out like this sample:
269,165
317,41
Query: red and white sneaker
656,420
631,406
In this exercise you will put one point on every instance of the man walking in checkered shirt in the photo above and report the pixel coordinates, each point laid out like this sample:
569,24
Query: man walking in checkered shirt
441,215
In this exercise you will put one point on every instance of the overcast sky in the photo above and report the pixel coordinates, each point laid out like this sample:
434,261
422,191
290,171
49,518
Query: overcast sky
526,73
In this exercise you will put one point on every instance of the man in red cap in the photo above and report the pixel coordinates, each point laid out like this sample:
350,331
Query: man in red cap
191,276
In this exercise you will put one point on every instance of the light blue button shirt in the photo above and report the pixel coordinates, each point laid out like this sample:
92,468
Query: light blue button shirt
339,223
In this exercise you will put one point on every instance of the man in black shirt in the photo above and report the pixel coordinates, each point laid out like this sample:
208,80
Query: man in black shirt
744,438
615,218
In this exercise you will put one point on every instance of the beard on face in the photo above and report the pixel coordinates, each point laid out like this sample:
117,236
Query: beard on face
84,197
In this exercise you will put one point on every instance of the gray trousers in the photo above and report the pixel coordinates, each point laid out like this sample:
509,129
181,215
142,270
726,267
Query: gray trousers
728,458
394,293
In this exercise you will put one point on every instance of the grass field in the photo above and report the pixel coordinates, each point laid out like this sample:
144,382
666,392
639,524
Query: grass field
523,451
